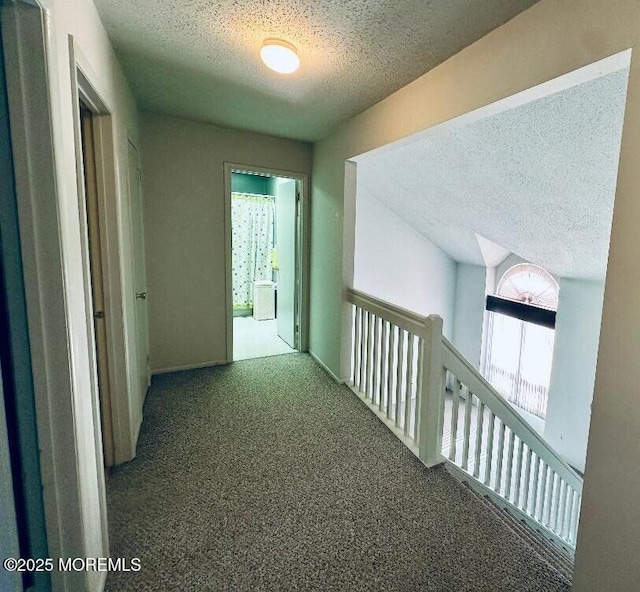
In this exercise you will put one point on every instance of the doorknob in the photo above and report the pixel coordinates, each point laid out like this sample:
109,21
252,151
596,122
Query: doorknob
141,295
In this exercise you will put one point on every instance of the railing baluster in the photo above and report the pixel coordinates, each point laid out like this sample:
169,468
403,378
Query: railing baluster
498,483
455,407
527,477
420,357
548,501
375,379
555,494
443,383
509,475
555,508
562,509
569,512
392,340
575,516
364,322
370,321
398,393
478,447
534,486
544,485
383,361
408,387
356,346
467,429
489,461
518,475
419,382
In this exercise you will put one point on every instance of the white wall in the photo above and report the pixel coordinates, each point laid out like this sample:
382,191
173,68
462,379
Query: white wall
469,310
574,368
184,203
548,40
396,263
489,288
511,260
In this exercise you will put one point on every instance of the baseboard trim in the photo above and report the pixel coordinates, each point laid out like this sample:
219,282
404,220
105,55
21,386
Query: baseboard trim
326,368
157,371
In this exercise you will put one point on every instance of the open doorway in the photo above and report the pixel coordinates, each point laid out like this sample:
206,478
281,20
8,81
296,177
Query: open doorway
266,254
94,242
472,236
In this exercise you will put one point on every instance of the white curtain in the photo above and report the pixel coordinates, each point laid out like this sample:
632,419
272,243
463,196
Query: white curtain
252,220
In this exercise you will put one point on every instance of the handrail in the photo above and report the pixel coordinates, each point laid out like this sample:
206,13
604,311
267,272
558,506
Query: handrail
479,386
401,317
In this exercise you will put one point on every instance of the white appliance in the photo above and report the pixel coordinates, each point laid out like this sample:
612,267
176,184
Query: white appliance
264,300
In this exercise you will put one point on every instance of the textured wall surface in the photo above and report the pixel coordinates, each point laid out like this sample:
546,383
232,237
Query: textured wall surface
397,264
574,368
183,195
469,310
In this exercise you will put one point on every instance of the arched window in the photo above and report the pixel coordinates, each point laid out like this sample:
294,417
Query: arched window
529,284
520,347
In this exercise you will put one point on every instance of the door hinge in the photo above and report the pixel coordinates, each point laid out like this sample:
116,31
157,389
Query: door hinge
297,329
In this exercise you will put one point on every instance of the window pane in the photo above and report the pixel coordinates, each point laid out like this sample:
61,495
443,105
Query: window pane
519,361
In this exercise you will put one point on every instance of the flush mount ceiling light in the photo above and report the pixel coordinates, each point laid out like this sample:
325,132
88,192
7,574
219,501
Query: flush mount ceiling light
280,56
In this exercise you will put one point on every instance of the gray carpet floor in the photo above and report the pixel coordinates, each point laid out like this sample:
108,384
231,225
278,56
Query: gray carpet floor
267,475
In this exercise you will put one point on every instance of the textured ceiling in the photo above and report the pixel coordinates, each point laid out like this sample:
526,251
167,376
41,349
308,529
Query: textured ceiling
199,58
538,180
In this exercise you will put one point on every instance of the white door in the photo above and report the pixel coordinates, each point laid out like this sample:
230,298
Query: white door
140,282
286,245
94,236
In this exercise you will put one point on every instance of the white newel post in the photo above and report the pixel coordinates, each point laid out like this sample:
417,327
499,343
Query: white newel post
431,394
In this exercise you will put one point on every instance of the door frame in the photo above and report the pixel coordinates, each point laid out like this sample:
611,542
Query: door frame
83,89
32,121
22,511
303,258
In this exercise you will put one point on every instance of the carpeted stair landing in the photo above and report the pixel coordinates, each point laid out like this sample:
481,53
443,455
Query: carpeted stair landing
267,475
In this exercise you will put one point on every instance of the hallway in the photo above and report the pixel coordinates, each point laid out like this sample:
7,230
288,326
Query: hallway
267,475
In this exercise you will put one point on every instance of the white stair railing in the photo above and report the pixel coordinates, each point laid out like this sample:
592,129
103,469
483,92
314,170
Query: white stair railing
395,371
506,454
401,366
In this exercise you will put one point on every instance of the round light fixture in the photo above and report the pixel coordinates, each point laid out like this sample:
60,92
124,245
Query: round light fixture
280,56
